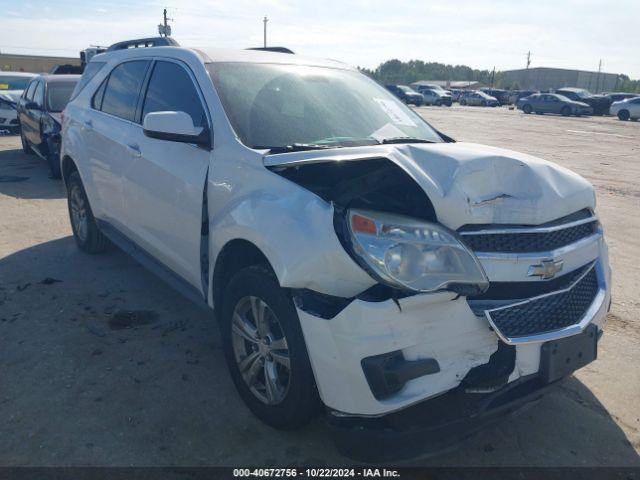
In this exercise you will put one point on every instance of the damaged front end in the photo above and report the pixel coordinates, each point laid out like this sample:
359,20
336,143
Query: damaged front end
482,258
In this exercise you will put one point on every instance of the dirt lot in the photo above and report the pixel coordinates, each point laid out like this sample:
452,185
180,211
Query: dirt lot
76,388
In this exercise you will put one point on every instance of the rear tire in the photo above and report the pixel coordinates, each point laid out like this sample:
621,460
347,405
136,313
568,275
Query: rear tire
438,103
624,115
256,315
26,148
463,102
566,111
85,229
527,109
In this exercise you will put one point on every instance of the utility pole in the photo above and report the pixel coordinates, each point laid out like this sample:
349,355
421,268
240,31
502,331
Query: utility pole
164,29
526,74
493,76
265,20
598,77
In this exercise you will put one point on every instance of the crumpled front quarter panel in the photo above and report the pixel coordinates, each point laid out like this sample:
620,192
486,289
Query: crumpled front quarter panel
290,225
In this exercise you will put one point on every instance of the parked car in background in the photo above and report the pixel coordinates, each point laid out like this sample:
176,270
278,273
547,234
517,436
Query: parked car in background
435,96
478,98
628,109
455,94
618,96
553,103
12,84
599,103
499,94
354,257
39,113
516,95
407,94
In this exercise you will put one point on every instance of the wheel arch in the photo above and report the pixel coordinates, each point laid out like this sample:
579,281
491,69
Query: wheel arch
233,257
67,166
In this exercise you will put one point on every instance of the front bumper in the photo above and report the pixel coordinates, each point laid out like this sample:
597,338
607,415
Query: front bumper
443,327
432,425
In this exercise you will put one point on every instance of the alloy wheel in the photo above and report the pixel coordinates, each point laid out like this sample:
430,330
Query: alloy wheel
79,213
260,349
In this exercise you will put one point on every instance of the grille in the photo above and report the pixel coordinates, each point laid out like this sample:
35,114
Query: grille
528,242
548,313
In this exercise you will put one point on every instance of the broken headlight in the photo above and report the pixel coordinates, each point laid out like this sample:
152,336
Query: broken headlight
408,253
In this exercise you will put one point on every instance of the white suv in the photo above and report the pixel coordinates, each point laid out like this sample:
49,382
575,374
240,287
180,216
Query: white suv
355,257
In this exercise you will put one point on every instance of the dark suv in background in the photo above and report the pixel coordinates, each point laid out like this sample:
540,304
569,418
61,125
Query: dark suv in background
407,94
499,94
599,103
40,116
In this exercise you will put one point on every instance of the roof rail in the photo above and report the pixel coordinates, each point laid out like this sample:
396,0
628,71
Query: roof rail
144,42
273,49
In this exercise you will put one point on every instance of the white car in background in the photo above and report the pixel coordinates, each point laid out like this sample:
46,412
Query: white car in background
355,258
627,109
12,84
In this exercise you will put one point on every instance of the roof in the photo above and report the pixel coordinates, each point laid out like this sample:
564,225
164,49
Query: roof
59,78
556,69
18,74
449,83
218,55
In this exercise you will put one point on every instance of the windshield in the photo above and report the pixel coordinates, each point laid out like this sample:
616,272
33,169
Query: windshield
13,83
58,94
271,106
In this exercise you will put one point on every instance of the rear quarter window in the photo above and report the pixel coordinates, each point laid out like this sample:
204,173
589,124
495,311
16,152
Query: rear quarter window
90,71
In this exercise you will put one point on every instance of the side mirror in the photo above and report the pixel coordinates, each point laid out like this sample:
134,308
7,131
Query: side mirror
32,106
175,127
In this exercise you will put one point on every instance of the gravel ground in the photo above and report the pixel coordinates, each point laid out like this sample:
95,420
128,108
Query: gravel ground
78,388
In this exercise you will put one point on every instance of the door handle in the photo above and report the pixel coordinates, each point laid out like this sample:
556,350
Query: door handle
134,149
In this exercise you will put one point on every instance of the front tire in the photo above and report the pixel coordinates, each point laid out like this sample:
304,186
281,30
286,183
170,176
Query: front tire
623,115
85,229
53,160
265,350
527,109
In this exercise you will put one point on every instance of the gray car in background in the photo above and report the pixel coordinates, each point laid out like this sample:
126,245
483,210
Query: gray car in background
553,103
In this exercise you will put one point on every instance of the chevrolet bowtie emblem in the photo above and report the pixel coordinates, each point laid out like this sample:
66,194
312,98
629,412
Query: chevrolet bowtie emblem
546,269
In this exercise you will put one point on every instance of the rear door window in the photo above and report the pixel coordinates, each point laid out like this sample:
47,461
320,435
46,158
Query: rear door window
122,90
171,89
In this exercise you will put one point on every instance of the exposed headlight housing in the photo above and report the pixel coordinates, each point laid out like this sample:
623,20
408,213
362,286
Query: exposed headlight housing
408,253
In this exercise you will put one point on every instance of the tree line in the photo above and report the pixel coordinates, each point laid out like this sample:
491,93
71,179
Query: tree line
399,72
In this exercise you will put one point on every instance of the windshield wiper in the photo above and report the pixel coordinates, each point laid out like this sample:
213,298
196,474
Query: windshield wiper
295,147
386,141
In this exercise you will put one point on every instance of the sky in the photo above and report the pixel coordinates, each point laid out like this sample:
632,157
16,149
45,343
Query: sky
481,34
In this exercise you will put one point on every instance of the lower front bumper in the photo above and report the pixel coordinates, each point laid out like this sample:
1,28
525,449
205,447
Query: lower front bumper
481,399
432,425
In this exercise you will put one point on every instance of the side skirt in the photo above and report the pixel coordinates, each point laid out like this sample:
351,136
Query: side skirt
152,264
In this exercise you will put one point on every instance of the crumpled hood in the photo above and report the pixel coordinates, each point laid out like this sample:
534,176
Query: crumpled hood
11,95
474,184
